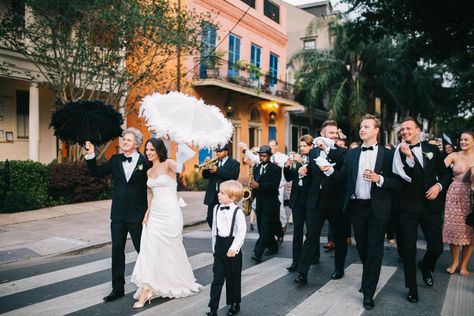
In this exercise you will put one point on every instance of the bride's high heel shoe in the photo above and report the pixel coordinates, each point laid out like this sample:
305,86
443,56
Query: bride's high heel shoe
148,299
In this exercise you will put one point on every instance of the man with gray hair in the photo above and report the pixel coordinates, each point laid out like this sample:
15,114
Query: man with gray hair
129,200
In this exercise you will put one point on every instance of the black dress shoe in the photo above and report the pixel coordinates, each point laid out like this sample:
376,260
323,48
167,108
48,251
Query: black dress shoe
369,303
234,309
270,252
412,296
113,296
211,313
426,274
360,290
301,279
337,275
293,267
258,259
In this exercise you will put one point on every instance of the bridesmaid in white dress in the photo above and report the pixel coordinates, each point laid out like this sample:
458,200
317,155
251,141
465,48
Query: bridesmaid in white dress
162,268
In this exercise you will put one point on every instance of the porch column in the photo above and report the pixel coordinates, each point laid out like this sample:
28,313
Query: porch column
33,124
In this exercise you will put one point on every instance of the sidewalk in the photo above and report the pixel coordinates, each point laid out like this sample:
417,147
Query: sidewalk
72,227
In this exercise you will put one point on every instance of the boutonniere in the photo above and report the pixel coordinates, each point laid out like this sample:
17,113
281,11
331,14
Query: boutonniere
139,167
428,155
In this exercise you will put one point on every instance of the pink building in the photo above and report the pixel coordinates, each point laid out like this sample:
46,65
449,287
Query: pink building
242,68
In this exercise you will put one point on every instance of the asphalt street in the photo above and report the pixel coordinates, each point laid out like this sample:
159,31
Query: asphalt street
75,284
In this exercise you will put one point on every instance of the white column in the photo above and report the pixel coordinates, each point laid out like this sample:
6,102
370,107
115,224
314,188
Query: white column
33,127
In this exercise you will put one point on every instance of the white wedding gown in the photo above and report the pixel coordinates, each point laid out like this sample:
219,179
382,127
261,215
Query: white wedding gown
162,264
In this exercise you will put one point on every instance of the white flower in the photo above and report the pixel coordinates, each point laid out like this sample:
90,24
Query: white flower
428,155
140,167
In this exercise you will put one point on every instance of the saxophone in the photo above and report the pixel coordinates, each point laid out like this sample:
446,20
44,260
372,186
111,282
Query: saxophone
247,198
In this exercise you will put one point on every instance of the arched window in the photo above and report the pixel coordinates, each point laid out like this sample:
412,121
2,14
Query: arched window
254,115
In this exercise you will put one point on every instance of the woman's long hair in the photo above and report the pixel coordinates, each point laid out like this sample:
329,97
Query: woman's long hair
160,148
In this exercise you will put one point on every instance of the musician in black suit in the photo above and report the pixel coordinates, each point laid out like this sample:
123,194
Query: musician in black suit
129,200
226,168
424,177
298,196
324,202
370,182
265,190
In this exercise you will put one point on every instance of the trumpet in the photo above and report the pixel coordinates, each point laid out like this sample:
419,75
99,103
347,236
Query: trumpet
206,164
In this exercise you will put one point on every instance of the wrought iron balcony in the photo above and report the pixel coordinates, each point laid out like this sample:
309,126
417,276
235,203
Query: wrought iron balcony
244,76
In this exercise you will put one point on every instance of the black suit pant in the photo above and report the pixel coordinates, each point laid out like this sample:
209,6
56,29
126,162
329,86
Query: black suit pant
228,269
210,211
431,226
119,231
267,224
314,223
299,219
369,233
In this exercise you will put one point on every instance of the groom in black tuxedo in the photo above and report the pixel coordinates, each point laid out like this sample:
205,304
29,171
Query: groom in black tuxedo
369,184
225,169
129,200
424,175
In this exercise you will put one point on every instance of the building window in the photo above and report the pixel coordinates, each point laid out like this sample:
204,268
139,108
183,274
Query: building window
18,13
255,58
309,44
304,130
234,55
271,10
22,113
295,138
208,45
273,69
250,3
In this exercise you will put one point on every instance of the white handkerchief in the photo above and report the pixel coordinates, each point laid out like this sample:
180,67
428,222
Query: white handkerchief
181,202
320,161
329,142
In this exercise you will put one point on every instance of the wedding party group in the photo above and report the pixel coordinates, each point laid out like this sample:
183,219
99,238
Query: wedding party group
366,190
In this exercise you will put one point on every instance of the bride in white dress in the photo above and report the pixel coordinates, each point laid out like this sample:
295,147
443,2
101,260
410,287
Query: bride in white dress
162,268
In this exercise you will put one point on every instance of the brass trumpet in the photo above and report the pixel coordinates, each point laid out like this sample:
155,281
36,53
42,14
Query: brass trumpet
207,164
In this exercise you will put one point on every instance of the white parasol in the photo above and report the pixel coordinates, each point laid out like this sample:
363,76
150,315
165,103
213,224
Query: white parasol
185,119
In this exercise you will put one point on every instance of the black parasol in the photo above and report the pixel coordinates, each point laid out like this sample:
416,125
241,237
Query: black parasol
86,120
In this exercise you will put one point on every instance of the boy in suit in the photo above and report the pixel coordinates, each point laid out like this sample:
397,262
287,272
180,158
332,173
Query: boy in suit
228,235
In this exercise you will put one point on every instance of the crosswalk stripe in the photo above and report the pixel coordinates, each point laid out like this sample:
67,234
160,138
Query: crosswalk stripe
253,279
76,301
339,297
459,299
59,275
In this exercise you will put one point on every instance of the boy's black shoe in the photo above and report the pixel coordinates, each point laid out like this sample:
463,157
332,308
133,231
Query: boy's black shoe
234,309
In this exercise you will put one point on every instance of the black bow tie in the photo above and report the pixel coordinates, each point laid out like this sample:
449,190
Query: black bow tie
413,146
129,159
224,208
368,148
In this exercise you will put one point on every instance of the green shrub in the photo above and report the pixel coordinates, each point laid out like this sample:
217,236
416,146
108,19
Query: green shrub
71,183
195,182
24,185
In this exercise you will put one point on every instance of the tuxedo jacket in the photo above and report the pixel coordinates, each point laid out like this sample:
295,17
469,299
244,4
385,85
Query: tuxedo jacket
267,193
412,195
319,182
229,171
298,194
380,197
129,199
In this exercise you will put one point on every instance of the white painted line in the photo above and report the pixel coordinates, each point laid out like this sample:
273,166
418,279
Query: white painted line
459,299
76,301
253,279
59,275
341,297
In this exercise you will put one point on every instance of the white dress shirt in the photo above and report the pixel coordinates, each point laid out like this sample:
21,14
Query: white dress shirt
419,155
128,167
220,163
222,221
367,160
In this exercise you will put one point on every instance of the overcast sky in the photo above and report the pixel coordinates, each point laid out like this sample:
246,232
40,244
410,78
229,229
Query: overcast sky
335,3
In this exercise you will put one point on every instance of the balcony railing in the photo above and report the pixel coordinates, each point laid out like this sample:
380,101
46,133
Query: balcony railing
243,76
